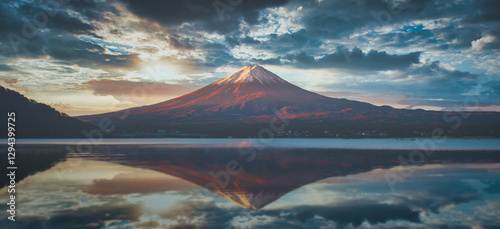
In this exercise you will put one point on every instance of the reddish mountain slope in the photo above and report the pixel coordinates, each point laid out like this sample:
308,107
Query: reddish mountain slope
253,95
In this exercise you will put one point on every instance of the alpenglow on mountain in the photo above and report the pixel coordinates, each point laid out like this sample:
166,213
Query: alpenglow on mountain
248,100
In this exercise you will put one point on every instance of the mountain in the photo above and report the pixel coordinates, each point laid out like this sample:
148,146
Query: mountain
246,101
37,120
255,180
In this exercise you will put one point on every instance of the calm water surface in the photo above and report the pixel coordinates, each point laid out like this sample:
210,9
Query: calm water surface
234,183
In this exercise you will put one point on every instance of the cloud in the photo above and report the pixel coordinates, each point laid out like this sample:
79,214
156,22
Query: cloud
10,82
86,54
235,41
142,182
438,202
94,216
138,91
353,212
24,33
373,60
364,202
6,68
203,15
62,21
486,12
480,44
493,187
355,60
365,40
437,70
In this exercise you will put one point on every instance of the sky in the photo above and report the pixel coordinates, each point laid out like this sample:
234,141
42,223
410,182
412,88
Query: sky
95,56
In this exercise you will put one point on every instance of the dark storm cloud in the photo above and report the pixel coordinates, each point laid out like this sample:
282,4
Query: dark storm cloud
206,14
430,84
180,43
54,16
239,41
412,30
355,59
6,68
93,216
439,193
217,57
420,38
61,21
373,60
340,19
435,203
325,18
24,34
92,9
493,86
454,38
285,43
493,186
487,12
270,61
321,20
435,70
87,54
353,212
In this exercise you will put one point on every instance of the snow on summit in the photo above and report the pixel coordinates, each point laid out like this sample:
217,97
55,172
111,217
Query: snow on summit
253,73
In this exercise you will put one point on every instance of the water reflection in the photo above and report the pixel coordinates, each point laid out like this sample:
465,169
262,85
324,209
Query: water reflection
152,186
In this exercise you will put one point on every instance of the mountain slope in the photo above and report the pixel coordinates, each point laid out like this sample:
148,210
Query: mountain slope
251,91
37,120
248,99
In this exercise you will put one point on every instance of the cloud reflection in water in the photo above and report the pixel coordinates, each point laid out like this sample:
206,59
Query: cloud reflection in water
148,187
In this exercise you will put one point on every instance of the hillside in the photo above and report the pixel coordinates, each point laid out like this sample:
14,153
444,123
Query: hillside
37,120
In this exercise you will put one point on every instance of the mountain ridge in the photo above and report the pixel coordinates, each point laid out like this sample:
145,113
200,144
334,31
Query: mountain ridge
249,98
38,120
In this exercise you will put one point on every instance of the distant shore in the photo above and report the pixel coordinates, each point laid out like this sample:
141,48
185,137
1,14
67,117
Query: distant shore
306,143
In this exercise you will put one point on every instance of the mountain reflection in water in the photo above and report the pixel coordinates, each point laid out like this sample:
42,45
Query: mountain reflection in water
250,177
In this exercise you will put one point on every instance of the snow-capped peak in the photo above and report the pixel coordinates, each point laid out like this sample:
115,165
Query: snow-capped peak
253,73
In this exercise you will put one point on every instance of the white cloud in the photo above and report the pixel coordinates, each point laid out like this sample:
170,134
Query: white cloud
252,221
479,44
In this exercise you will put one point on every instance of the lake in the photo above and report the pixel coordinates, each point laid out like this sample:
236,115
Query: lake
252,183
